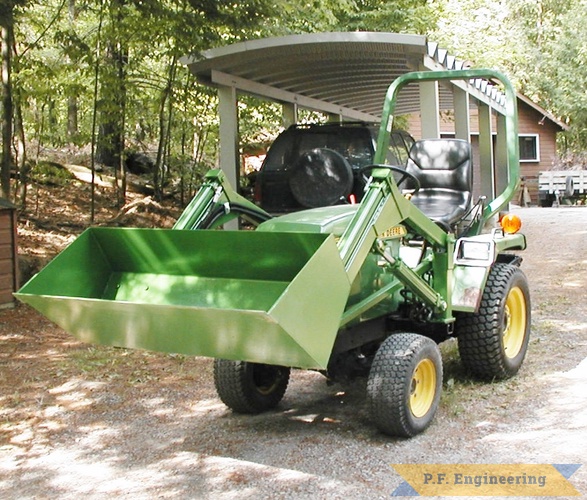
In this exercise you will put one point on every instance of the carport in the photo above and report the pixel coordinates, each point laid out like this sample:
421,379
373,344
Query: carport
346,76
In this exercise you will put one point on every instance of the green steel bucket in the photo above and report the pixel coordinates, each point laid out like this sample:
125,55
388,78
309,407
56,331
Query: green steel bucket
263,297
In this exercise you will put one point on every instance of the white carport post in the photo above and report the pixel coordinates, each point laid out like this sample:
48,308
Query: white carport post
501,155
429,110
486,151
462,114
289,114
229,158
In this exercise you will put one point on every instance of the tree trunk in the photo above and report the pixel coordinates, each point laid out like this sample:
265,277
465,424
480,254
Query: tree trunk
6,38
72,127
72,108
95,113
111,136
23,165
163,126
121,69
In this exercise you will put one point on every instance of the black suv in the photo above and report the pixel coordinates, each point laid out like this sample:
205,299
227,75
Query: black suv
310,166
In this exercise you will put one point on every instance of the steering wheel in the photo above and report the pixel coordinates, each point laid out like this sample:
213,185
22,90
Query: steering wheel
404,175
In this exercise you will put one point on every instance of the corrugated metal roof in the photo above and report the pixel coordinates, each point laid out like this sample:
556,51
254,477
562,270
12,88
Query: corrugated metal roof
349,70
347,73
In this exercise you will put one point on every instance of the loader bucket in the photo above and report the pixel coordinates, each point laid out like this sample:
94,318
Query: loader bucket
263,297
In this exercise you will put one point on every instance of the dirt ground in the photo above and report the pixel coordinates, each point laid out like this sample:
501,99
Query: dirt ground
83,421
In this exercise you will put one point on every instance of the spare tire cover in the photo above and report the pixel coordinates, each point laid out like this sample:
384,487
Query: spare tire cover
320,177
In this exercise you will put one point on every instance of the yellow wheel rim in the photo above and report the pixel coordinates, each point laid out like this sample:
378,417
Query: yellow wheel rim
423,388
514,328
266,378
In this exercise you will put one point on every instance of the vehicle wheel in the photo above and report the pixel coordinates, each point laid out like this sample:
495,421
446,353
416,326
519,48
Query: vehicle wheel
249,387
404,384
493,342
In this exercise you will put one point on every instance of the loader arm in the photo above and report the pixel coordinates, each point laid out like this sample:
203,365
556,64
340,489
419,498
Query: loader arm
382,209
216,203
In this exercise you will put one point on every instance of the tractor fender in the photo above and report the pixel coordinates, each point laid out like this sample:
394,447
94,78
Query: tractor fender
473,258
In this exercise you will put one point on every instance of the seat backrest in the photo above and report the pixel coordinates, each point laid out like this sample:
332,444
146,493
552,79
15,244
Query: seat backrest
444,168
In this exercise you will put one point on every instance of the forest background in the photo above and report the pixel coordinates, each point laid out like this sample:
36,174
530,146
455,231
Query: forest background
97,81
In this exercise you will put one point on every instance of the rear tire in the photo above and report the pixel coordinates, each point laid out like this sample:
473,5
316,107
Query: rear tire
493,342
404,384
250,387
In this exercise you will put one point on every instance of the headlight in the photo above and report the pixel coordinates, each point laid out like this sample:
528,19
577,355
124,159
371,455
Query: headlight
475,250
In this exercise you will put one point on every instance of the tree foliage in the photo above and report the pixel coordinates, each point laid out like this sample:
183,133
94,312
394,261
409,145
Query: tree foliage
131,50
481,32
540,44
558,76
116,63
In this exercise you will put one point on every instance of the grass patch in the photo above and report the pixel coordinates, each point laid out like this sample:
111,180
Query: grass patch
462,392
133,366
51,173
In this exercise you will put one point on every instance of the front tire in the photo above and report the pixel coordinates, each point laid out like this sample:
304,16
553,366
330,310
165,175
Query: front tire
250,387
493,342
404,384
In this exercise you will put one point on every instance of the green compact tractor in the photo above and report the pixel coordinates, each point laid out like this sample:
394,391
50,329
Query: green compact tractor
348,290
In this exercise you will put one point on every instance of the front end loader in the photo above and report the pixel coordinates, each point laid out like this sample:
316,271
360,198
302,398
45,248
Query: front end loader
349,290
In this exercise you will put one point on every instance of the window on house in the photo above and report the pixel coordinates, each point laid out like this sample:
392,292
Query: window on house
529,147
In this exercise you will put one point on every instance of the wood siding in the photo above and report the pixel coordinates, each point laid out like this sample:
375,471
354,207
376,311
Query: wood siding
530,123
8,257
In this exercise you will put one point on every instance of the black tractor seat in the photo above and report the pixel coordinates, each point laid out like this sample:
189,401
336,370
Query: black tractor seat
444,168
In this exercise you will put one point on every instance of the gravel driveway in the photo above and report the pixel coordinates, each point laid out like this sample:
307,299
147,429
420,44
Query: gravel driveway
95,422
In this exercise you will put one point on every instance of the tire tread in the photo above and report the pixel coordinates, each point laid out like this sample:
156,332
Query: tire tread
389,381
479,334
233,385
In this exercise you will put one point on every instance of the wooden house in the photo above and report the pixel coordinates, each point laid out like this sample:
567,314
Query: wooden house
8,253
